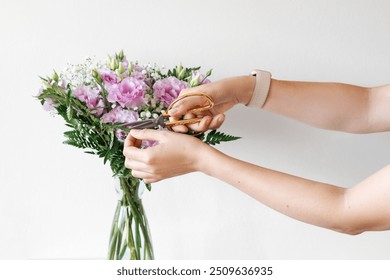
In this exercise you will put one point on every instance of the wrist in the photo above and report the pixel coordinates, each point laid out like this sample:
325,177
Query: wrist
204,155
245,86
209,160
261,89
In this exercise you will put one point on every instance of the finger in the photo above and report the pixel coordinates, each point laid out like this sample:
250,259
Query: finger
141,174
146,134
180,128
217,121
151,181
135,153
131,141
147,177
186,104
133,164
201,126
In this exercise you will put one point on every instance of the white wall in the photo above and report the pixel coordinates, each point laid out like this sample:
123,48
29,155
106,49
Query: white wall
57,203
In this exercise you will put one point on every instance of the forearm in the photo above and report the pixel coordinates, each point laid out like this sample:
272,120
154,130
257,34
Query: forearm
305,200
332,106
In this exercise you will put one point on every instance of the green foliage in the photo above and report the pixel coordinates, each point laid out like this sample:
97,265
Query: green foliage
87,132
216,137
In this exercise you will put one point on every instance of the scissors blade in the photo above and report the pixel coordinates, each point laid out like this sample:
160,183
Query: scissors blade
141,124
151,123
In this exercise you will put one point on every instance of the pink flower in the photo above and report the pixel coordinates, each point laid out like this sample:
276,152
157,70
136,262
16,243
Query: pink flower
91,97
128,93
49,104
168,89
125,63
137,73
118,114
109,77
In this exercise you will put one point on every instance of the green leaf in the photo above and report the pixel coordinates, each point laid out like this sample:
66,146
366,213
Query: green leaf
69,113
148,187
215,137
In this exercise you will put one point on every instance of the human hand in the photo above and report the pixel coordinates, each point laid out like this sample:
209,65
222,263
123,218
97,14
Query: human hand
173,155
224,93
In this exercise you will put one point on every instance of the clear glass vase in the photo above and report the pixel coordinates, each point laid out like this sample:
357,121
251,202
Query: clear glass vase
130,235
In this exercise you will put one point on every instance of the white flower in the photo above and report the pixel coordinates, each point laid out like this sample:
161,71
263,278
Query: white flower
148,114
155,116
143,114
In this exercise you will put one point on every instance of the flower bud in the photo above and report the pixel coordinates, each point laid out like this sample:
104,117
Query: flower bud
121,69
208,74
195,81
119,74
113,64
96,75
55,76
179,68
181,74
131,67
121,55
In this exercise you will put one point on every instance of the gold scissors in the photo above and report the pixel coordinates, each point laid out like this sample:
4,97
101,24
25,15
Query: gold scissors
160,121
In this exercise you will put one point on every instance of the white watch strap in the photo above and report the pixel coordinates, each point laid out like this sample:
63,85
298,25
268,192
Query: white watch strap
260,93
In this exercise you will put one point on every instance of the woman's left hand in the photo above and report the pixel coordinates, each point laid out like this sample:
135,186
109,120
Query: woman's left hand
175,154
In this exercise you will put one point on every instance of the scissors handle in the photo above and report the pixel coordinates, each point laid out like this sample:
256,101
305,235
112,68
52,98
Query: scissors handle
208,106
194,110
182,122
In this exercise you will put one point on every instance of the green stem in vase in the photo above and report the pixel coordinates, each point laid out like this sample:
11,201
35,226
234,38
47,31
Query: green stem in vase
137,214
130,238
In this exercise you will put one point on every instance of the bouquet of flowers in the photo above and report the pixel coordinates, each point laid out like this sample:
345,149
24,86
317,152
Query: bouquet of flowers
95,100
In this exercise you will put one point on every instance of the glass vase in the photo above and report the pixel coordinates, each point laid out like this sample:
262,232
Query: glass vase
130,235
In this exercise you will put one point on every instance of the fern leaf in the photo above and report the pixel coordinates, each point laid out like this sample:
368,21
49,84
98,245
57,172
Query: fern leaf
215,137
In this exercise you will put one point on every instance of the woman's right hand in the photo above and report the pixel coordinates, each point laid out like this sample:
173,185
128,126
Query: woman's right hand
224,93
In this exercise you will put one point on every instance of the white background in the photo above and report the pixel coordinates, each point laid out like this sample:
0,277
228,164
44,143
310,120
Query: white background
57,202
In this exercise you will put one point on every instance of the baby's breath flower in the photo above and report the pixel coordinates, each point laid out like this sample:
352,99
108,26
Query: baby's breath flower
80,74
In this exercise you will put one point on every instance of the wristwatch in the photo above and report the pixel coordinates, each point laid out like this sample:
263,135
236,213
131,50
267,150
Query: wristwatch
260,93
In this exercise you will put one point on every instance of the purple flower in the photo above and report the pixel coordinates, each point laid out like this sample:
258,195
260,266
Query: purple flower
49,104
91,97
168,89
128,93
118,114
109,77
137,72
125,63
